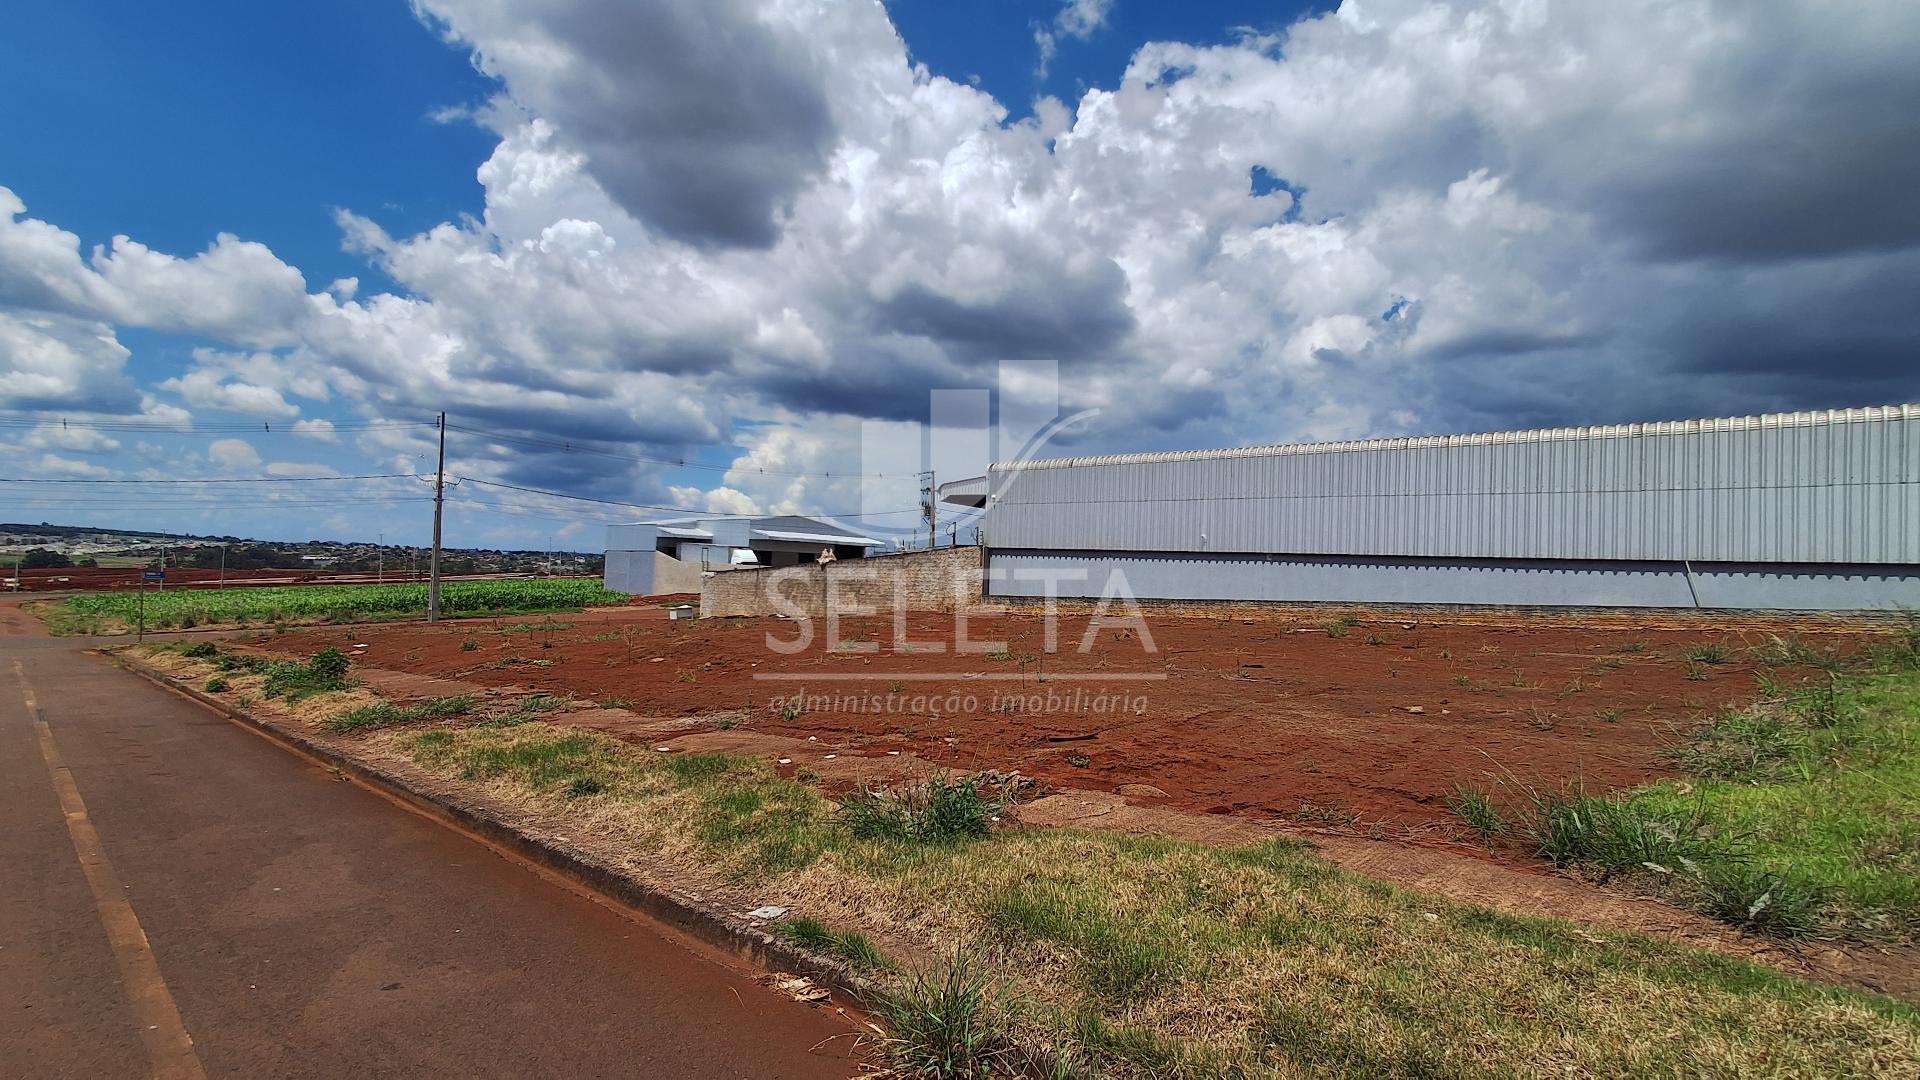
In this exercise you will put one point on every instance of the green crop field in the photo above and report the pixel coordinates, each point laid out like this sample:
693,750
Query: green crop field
186,608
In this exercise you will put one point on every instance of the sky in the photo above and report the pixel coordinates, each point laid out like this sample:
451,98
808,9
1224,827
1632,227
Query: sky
783,256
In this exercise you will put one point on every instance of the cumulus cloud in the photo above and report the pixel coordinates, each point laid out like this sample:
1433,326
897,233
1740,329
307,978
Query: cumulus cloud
233,455
295,468
757,223
1077,19
319,430
203,388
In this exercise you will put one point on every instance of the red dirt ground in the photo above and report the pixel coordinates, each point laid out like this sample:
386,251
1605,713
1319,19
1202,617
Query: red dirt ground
1263,718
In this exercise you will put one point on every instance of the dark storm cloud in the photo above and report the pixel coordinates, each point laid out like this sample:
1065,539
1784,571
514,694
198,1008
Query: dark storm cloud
694,115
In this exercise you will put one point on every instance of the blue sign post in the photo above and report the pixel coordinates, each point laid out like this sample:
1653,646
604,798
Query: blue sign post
145,576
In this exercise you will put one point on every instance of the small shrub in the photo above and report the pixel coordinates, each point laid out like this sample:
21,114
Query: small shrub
941,810
943,1025
1707,654
1335,628
325,672
218,685
1609,833
204,650
1761,901
1475,807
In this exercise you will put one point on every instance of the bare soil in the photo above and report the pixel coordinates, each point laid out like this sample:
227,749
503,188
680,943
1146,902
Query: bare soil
1366,727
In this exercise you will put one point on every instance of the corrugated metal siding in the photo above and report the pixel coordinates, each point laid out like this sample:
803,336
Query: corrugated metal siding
1840,486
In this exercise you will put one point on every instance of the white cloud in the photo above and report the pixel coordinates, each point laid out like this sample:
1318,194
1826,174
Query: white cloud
720,500
53,465
233,455
295,468
1076,19
318,430
203,388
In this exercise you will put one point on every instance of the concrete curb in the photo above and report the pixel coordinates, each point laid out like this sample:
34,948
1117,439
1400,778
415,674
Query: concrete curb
740,937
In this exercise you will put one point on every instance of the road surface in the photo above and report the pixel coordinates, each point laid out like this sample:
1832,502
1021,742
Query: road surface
181,898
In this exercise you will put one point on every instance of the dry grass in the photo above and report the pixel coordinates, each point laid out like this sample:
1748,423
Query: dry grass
1136,956
1156,957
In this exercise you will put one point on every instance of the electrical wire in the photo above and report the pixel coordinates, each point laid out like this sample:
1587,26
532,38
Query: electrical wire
213,479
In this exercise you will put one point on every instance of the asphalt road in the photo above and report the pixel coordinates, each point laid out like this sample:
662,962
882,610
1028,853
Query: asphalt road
179,897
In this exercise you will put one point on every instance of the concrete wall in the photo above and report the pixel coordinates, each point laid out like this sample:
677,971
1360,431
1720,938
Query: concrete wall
1489,582
919,580
650,573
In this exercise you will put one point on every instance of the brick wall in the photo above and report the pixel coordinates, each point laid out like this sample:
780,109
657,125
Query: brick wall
921,580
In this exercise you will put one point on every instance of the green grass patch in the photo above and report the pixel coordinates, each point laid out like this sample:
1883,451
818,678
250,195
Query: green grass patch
116,612
944,809
856,949
385,714
1800,816
1077,952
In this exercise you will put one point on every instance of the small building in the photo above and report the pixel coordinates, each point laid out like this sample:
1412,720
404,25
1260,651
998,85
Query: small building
648,558
1791,511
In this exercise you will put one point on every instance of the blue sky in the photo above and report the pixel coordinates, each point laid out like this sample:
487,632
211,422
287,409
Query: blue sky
707,232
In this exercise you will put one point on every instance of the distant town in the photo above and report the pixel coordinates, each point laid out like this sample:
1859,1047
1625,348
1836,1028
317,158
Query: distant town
48,547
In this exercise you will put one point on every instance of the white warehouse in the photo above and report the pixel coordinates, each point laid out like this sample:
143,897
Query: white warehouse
1793,511
648,558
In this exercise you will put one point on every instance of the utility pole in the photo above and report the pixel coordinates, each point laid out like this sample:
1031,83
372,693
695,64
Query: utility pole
380,561
439,505
933,512
223,567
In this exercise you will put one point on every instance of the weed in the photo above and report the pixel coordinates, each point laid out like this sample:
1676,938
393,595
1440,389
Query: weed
1475,807
1375,639
854,948
1631,647
1697,672
1079,761
582,786
1462,680
1540,721
1761,901
728,722
1610,663
1335,628
943,1024
470,645
218,685
1611,716
1756,743
1609,832
385,714
1574,687
1002,654
615,703
295,681
941,810
791,710
204,650
1707,654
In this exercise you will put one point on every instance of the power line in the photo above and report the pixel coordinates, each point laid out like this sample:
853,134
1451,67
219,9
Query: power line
213,479
188,427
